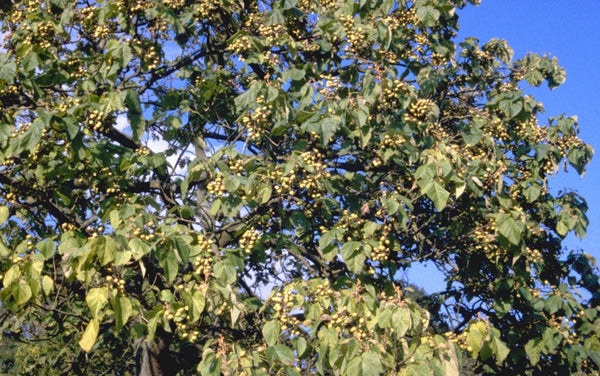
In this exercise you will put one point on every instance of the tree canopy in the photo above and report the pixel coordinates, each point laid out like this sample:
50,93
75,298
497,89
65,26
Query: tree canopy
235,187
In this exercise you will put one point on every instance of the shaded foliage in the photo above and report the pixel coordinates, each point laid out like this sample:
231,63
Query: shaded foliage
223,187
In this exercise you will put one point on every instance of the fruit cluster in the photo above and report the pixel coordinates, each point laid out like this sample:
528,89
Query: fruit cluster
41,36
143,150
112,282
315,169
392,92
566,328
391,141
271,33
421,43
382,250
20,130
175,4
95,121
283,183
9,90
408,17
216,186
101,31
352,224
329,86
497,129
207,8
485,240
533,255
249,239
68,102
236,165
66,227
257,121
418,111
151,57
240,45
180,317
94,232
203,266
11,197
347,21
284,304
357,39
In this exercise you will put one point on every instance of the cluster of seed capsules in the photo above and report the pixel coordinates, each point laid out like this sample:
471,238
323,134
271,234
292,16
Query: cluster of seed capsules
249,239
315,171
418,111
203,265
257,122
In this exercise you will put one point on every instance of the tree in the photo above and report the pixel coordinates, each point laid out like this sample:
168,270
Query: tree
235,187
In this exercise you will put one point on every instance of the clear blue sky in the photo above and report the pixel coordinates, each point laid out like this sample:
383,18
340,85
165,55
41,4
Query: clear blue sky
571,32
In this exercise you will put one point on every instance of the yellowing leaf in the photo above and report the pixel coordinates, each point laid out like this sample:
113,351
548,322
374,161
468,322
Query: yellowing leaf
96,300
3,214
47,285
89,336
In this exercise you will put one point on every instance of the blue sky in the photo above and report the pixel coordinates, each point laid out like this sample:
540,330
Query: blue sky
571,32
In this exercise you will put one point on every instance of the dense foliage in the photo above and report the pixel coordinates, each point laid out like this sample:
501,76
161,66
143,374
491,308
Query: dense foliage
235,187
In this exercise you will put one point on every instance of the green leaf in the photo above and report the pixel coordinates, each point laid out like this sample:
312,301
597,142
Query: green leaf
512,108
301,346
89,336
532,192
553,304
436,193
122,258
138,125
96,299
123,309
265,194
33,135
533,349
475,335
371,364
4,251
197,304
280,353
22,293
118,50
132,101
138,248
210,365
417,369
500,349
293,74
510,228
8,69
401,321
349,248
225,271
328,126
384,320
183,248
106,247
168,261
353,257
328,237
428,15
271,331
11,275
